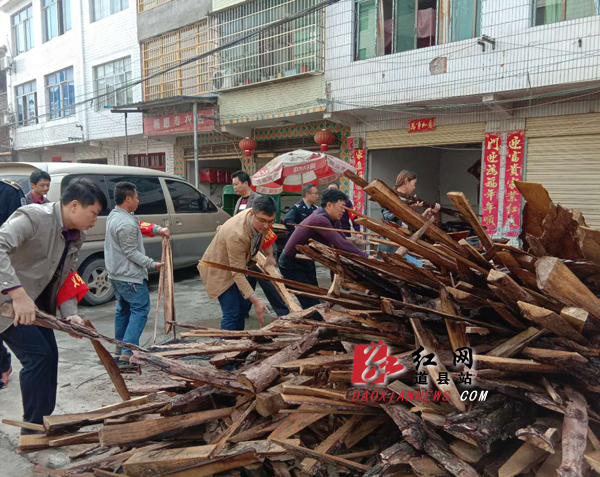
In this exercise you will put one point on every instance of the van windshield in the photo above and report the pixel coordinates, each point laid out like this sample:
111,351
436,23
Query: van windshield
22,180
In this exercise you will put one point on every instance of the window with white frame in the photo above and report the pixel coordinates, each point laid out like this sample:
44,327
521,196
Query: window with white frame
104,8
22,29
109,80
60,93
57,17
289,49
552,11
26,97
384,27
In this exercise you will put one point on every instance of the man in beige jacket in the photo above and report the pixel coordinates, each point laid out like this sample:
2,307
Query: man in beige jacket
234,245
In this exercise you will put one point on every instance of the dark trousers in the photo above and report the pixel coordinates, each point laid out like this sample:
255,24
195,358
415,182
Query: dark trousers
235,308
4,359
303,271
36,349
279,306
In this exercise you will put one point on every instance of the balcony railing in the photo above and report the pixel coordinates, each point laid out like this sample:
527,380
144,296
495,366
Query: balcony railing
290,49
145,5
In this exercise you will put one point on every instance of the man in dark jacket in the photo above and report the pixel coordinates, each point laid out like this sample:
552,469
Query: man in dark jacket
345,220
302,209
328,215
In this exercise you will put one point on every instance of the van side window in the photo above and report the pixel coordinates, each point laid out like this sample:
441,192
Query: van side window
187,200
96,179
150,193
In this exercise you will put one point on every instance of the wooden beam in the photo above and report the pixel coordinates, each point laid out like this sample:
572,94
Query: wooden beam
552,322
463,205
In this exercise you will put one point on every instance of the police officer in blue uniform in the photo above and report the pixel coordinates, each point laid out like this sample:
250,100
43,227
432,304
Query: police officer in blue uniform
301,210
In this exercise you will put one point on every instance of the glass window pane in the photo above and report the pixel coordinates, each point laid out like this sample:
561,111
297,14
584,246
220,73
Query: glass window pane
67,14
187,200
366,47
580,9
462,19
548,11
405,25
152,200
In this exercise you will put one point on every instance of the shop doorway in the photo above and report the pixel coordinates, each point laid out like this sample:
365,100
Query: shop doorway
439,169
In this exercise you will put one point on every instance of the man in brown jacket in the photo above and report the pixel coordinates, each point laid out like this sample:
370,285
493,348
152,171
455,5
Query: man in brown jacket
234,245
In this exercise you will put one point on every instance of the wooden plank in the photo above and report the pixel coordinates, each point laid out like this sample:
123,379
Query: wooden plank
295,423
552,322
463,205
557,281
522,461
362,430
456,330
272,270
515,344
515,365
574,433
24,425
139,431
327,459
576,317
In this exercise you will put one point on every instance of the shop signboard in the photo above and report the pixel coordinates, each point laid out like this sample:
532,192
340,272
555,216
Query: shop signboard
421,125
358,199
491,182
515,157
180,123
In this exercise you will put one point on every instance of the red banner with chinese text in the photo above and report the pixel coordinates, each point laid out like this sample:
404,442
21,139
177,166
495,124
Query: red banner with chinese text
491,182
358,199
421,125
515,157
179,123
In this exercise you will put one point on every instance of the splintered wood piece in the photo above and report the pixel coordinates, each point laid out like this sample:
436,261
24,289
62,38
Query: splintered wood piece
417,235
202,374
463,205
221,442
110,365
505,314
537,205
576,317
272,270
24,425
270,402
550,465
295,423
425,439
515,365
139,431
359,181
467,452
593,458
543,433
522,461
456,330
325,458
76,439
515,344
329,404
159,295
168,286
427,467
574,432
427,341
552,322
331,443
263,373
160,462
362,430
557,281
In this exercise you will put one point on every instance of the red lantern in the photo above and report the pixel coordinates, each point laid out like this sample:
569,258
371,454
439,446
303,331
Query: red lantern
325,138
248,145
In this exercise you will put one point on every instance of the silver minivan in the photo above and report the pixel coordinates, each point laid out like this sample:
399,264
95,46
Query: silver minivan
165,199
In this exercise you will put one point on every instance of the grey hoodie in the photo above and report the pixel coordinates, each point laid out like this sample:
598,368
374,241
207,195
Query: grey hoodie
124,251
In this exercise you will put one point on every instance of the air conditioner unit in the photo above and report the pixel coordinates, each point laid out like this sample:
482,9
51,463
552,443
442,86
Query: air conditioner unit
5,63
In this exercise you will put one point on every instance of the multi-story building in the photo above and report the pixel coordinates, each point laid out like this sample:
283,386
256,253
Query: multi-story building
72,62
6,151
423,83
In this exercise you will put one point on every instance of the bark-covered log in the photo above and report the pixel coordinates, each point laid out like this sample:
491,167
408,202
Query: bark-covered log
575,429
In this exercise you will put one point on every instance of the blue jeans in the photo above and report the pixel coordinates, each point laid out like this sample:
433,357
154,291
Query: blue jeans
234,308
133,306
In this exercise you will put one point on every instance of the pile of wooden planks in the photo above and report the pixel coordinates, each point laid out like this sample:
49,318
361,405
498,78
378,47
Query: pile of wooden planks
284,400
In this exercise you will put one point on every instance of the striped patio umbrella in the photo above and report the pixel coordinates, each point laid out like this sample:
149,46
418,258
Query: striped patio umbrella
290,171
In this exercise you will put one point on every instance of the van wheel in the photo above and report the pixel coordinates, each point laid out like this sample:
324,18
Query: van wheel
94,273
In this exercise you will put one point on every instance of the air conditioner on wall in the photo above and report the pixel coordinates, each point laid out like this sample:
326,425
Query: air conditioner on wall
6,63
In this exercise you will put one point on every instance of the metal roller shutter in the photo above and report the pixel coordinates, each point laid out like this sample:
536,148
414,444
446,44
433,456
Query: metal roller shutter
443,135
569,167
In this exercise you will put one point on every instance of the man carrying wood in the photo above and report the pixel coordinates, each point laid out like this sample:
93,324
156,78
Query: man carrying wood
327,216
128,265
39,245
234,245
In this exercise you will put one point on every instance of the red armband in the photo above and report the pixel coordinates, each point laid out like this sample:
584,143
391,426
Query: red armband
74,286
147,229
352,215
269,239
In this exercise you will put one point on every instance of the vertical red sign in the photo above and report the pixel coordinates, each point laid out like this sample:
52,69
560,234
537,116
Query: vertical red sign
359,195
515,157
491,182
